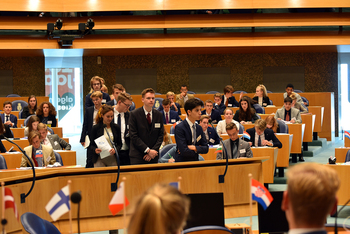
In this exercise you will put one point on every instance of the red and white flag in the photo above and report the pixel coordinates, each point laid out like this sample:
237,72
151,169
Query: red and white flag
118,200
9,201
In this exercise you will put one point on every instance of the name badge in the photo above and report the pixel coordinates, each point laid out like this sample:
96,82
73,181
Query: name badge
173,120
48,159
199,138
212,141
39,154
49,122
242,151
103,100
229,104
127,126
56,143
157,125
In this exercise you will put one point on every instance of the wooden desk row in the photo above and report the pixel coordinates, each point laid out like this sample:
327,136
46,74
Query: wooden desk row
21,142
40,99
19,132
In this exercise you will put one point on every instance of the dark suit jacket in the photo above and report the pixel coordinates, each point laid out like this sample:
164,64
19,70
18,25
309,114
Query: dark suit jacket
126,132
215,116
172,108
231,100
25,112
8,133
13,119
88,100
213,136
269,136
60,143
266,100
220,108
88,122
97,131
111,102
174,117
51,118
142,135
183,137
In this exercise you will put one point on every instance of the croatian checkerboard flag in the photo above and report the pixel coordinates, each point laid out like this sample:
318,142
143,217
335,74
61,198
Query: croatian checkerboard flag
9,201
260,194
347,134
59,204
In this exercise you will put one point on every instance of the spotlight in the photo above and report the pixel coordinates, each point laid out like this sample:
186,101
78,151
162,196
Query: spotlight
51,26
66,40
88,25
59,24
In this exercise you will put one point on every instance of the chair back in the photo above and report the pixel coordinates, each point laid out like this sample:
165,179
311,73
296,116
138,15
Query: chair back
26,121
157,93
172,130
191,92
271,103
241,129
3,164
20,114
212,92
33,224
268,91
157,103
58,158
132,107
239,91
305,100
283,126
50,130
165,149
18,105
13,95
347,158
208,229
297,91
259,109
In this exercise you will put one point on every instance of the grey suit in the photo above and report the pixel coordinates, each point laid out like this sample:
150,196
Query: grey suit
243,150
295,113
58,143
299,99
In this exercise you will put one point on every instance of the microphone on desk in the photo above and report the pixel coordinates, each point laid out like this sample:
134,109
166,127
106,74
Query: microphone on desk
76,198
114,186
222,177
23,196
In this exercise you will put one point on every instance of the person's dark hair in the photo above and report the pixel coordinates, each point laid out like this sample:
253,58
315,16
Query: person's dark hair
30,122
288,99
102,111
290,86
52,109
32,135
245,115
192,103
166,102
184,86
231,126
7,103
32,111
2,127
148,90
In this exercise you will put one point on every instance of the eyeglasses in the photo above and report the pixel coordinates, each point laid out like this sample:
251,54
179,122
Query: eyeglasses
126,104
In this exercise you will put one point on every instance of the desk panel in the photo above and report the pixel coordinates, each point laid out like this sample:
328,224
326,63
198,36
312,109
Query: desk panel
344,175
19,132
298,134
340,154
318,111
309,121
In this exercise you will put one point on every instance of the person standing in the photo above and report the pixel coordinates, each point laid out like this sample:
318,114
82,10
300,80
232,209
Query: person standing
96,83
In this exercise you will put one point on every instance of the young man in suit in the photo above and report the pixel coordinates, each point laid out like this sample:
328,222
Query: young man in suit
121,117
183,97
189,136
262,136
96,85
210,134
310,197
227,99
288,113
8,118
117,89
173,105
52,140
169,116
89,121
41,155
218,105
236,147
213,114
146,131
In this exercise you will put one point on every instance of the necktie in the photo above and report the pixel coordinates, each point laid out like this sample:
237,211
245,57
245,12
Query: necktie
226,103
166,118
234,150
259,141
149,118
287,116
194,134
119,121
7,118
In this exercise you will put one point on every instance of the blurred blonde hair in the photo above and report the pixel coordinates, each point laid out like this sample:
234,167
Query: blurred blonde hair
262,88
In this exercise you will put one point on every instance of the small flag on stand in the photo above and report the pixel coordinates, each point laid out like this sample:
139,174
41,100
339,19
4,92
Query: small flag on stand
219,149
260,194
246,135
59,204
9,201
347,134
119,200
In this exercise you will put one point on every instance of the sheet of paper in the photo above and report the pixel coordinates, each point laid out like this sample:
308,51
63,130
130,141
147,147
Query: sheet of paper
103,144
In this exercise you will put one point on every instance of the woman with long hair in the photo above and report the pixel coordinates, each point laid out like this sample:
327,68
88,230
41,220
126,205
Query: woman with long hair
32,124
31,108
228,115
162,209
245,113
271,123
107,128
261,96
47,114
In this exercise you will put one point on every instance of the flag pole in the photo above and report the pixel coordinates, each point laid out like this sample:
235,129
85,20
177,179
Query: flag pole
124,206
179,178
250,201
70,207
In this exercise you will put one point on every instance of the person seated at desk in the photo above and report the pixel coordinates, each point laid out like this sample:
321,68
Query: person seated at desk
297,105
5,130
32,124
262,136
288,113
8,118
227,99
96,83
272,123
183,97
236,147
161,209
41,155
31,108
289,91
166,139
245,113
173,105
261,96
228,115
310,197
213,114
52,140
47,114
210,133
169,116
218,105
189,136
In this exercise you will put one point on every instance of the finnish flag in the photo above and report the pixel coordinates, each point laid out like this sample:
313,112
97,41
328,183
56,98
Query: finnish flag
59,204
